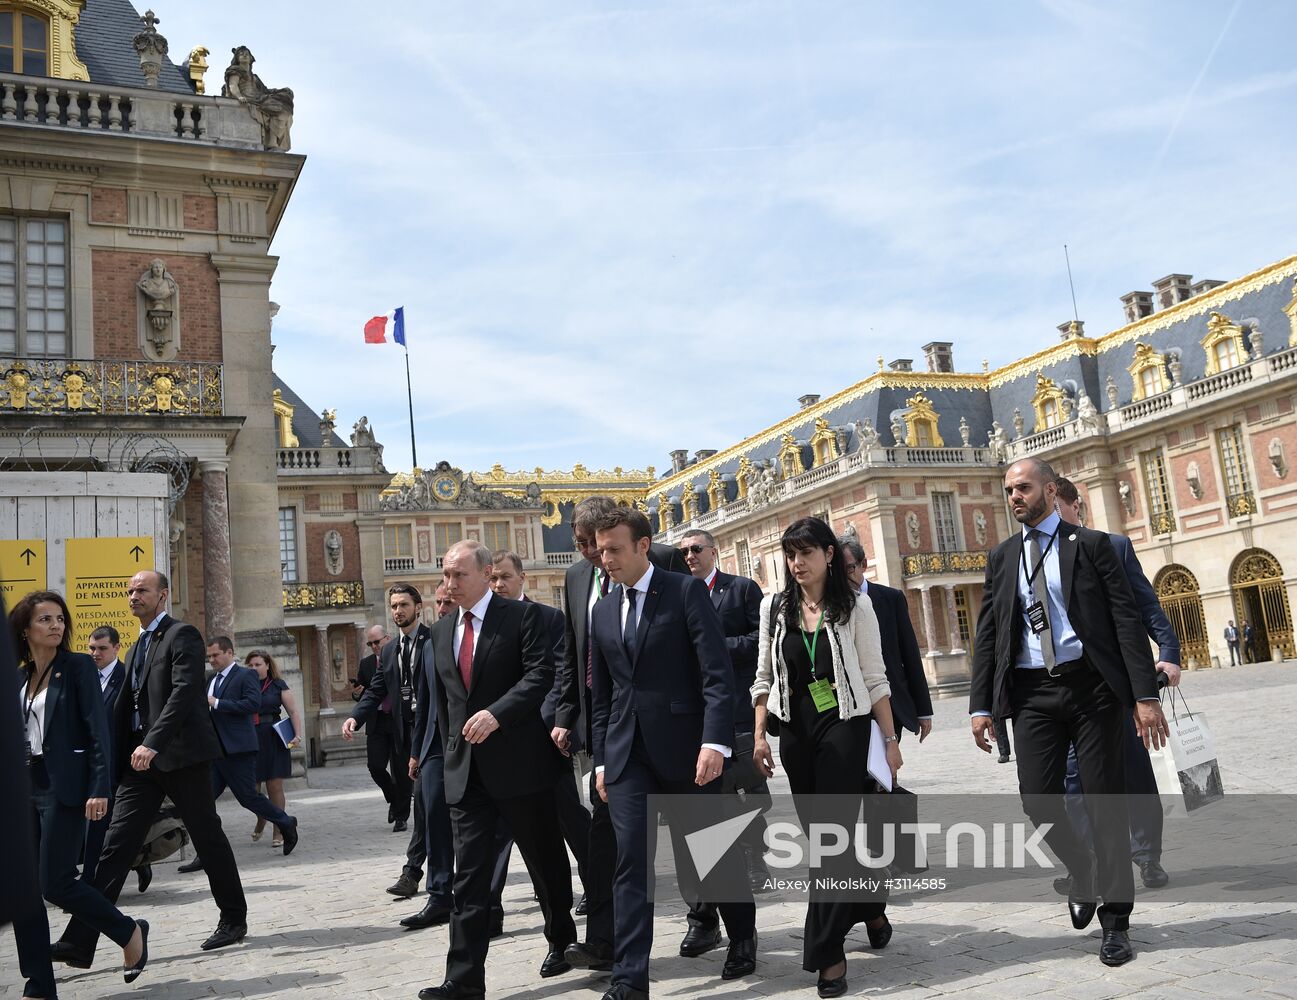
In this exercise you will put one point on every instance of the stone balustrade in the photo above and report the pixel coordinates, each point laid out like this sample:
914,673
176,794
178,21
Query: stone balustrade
140,112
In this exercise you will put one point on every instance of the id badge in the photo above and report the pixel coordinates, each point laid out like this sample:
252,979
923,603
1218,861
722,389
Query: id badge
407,692
1038,618
823,695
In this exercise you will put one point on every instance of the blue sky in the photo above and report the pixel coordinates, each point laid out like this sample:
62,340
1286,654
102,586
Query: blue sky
623,228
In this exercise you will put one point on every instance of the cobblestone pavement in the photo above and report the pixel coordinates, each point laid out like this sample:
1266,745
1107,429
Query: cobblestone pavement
321,925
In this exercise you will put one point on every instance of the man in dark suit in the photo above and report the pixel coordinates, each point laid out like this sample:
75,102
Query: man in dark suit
738,602
1061,650
105,649
508,580
387,738
495,663
663,723
584,584
378,756
234,695
164,744
1249,649
388,706
911,701
1231,640
1141,785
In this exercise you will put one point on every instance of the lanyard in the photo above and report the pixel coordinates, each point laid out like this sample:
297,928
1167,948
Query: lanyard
29,702
1031,576
815,639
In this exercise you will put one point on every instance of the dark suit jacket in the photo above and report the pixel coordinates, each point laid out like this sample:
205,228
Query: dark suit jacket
738,602
75,734
570,710
239,701
387,680
679,689
116,680
905,676
1099,605
513,669
365,674
556,626
22,895
176,719
1156,623
426,741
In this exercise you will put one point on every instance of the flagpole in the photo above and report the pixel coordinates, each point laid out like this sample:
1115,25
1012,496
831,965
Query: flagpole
409,395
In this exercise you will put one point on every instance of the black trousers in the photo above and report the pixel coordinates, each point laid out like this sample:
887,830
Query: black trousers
573,822
96,830
1050,714
1142,800
824,755
388,759
432,841
238,772
139,796
633,908
534,824
600,869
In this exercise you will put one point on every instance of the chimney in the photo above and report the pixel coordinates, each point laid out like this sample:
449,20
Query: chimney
1206,285
939,355
702,454
1137,305
901,365
1173,289
679,459
810,399
1072,329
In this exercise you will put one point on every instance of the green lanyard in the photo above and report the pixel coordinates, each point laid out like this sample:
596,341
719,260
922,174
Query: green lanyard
815,639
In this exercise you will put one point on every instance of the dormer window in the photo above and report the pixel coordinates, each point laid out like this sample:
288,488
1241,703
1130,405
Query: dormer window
24,43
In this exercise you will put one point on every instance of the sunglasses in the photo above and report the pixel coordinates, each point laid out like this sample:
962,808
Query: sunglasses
695,549
374,642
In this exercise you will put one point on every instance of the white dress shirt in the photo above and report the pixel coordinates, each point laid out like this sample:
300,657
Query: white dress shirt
106,675
478,610
222,676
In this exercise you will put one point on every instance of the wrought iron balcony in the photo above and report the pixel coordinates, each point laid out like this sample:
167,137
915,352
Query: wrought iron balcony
1241,504
1162,522
118,388
928,563
309,596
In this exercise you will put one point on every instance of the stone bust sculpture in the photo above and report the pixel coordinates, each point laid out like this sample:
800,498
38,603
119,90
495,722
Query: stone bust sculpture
160,293
272,108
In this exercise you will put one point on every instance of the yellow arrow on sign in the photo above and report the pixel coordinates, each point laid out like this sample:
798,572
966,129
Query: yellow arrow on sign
22,568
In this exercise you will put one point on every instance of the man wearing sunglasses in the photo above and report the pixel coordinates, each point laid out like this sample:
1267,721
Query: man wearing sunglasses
377,756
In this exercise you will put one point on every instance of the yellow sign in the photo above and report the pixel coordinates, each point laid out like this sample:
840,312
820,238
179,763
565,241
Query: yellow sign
98,571
22,569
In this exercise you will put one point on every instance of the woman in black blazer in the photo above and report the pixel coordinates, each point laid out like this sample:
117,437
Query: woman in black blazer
68,747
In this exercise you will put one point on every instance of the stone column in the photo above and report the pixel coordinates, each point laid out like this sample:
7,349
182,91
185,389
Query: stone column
218,579
324,669
929,628
952,619
361,649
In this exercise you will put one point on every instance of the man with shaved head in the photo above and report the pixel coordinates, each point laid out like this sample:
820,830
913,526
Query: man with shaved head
1061,650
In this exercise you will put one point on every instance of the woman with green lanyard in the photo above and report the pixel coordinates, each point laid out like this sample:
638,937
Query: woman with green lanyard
820,674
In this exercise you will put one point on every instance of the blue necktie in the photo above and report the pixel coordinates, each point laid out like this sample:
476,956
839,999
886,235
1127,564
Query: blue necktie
628,635
220,685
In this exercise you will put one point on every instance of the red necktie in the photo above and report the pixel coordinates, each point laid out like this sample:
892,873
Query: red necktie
589,649
466,650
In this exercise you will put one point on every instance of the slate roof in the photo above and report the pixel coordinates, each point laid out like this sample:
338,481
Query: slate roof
1256,300
104,39
306,422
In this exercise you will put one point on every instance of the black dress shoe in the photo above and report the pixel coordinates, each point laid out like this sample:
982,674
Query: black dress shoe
405,886
1153,875
391,813
1082,901
400,827
144,876
496,929
1004,758
431,915
555,963
741,959
699,941
289,833
225,935
132,972
61,951
879,936
832,987
620,991
582,907
450,990
1115,949
192,866
594,955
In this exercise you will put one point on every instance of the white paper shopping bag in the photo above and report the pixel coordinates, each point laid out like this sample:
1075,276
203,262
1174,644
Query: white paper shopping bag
1187,770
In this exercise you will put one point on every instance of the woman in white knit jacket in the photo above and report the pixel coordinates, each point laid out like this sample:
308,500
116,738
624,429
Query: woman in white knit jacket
820,674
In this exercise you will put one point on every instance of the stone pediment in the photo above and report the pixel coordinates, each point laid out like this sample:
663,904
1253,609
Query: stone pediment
448,488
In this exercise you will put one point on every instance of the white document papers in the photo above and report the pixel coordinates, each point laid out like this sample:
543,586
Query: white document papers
878,767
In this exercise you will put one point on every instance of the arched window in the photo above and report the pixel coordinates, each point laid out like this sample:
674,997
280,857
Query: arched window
1149,382
1048,403
1147,372
1226,354
24,42
1049,409
1223,344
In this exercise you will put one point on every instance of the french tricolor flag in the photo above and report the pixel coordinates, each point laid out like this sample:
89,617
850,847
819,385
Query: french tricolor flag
376,328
